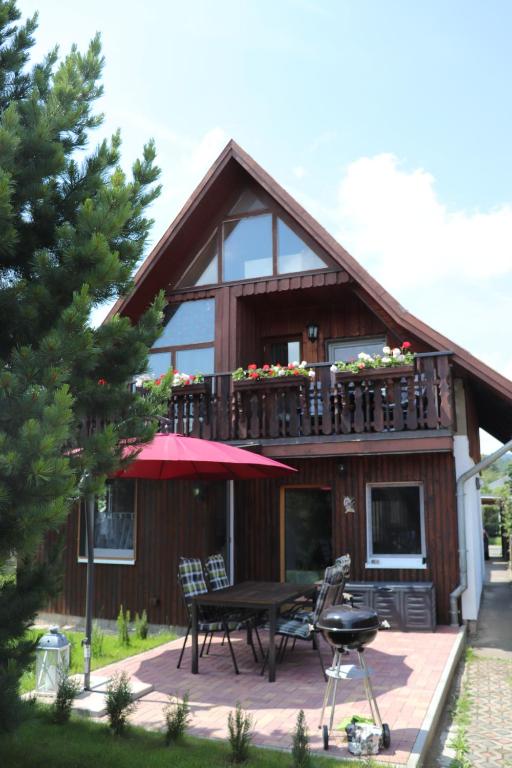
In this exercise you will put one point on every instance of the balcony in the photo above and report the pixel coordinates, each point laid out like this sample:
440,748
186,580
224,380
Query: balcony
379,402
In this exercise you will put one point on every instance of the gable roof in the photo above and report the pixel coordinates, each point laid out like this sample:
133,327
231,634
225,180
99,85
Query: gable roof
492,391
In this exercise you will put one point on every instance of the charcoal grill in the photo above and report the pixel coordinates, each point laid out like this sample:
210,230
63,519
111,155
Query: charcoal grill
347,628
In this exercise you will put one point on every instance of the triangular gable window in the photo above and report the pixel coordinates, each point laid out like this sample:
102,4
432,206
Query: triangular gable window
204,269
293,254
248,202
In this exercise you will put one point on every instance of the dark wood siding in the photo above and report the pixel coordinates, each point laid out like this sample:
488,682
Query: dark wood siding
257,517
171,521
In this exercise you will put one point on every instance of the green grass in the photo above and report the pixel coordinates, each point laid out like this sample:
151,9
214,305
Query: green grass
82,744
112,651
495,540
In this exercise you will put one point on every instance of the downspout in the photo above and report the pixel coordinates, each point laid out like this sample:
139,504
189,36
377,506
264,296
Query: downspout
461,521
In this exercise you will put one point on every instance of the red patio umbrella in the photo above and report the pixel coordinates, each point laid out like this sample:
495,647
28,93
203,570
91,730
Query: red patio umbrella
170,456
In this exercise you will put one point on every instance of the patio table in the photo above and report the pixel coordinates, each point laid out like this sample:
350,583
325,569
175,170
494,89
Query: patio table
268,596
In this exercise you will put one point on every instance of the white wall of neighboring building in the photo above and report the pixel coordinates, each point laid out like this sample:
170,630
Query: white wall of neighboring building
472,509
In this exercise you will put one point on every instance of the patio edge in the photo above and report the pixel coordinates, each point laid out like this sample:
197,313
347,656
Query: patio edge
435,708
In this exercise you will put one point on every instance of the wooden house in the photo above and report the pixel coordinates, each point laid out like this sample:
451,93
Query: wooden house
251,277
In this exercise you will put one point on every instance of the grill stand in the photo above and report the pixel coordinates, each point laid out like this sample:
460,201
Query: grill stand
338,671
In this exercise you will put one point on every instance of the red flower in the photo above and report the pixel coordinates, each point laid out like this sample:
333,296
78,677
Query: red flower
191,379
102,382
406,345
296,372
290,366
254,375
252,367
361,365
157,381
266,367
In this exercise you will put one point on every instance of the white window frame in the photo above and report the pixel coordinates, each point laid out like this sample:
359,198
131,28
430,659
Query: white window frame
104,556
413,561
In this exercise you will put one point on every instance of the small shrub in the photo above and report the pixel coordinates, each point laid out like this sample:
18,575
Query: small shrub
239,734
141,625
301,756
98,637
66,693
123,621
119,703
177,718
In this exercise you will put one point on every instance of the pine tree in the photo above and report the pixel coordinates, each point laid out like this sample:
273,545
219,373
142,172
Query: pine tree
72,229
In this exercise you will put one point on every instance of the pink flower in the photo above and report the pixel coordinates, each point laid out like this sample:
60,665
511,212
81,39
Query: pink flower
254,375
252,367
266,367
406,345
102,382
361,365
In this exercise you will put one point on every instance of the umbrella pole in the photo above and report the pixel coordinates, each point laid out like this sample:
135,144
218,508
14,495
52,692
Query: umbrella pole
86,642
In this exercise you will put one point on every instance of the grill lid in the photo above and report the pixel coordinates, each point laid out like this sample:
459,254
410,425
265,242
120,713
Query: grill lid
349,619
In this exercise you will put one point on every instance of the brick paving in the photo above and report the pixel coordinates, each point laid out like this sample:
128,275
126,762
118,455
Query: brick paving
486,679
407,668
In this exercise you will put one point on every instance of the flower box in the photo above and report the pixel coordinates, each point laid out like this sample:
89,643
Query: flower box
202,388
272,382
386,372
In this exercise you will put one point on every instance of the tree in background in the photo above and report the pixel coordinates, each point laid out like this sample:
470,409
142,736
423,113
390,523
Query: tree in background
72,229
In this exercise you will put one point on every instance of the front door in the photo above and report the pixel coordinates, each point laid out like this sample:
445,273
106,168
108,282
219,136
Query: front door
306,532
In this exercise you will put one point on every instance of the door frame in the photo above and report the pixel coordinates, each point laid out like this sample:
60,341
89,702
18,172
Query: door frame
282,521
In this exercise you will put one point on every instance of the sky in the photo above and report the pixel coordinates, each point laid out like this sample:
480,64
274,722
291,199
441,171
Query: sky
389,120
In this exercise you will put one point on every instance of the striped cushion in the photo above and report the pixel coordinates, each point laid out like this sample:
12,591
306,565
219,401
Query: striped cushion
330,592
217,626
292,628
216,570
191,577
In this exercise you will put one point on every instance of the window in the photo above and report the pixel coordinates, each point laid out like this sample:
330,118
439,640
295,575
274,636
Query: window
395,526
348,349
306,533
293,255
247,248
187,342
251,242
204,270
114,524
191,322
282,351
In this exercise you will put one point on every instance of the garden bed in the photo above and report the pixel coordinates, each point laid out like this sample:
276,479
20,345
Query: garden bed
82,744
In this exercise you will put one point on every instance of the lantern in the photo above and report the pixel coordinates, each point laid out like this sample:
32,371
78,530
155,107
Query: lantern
52,660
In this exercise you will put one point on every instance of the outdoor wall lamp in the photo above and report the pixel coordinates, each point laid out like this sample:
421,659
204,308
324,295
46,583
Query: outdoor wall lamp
312,331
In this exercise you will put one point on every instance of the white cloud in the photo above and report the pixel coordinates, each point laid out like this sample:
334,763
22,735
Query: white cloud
299,171
207,150
393,221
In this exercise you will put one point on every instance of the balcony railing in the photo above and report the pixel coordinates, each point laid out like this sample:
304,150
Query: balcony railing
417,397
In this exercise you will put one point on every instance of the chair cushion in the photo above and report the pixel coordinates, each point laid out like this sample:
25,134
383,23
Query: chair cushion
292,628
216,570
217,626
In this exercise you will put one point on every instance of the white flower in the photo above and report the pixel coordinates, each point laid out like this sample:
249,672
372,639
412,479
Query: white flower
334,368
362,355
386,359
386,350
396,352
295,363
303,364
312,374
280,372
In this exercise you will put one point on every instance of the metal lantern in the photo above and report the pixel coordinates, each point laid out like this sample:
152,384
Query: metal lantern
52,660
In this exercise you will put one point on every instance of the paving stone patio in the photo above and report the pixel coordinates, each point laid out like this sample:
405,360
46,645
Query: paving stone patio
407,668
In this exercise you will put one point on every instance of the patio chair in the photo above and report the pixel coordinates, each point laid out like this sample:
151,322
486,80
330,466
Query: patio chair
192,583
216,573
302,613
330,593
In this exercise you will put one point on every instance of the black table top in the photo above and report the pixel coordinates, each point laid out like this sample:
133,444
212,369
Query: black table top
257,594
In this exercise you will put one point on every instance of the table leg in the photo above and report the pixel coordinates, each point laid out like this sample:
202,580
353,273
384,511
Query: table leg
272,644
195,646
